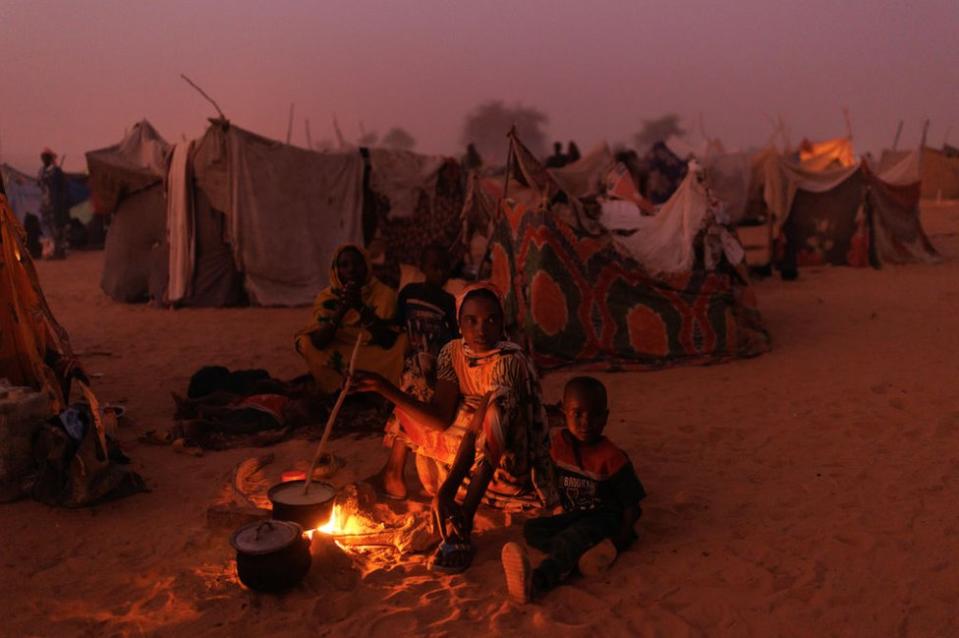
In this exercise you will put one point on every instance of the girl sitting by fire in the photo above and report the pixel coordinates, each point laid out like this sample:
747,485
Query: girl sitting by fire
483,436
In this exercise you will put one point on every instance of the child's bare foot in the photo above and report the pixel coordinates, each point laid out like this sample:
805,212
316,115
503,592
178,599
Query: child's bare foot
519,573
597,559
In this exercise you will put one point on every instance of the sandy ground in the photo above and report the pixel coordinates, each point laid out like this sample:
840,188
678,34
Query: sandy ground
807,492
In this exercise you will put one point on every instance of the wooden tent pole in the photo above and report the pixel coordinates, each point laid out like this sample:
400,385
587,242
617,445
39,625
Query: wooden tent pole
203,93
509,162
895,141
289,125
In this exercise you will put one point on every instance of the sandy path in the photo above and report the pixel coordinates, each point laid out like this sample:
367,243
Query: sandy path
807,492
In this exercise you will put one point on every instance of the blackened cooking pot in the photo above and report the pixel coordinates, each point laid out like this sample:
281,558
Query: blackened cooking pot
271,556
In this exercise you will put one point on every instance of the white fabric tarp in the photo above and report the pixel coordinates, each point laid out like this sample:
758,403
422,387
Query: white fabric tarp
402,176
179,220
663,243
899,167
586,177
729,177
289,208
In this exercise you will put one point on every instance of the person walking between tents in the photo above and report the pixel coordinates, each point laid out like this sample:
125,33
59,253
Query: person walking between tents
53,202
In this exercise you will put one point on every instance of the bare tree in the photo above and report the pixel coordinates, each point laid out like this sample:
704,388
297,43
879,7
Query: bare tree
399,139
487,125
658,129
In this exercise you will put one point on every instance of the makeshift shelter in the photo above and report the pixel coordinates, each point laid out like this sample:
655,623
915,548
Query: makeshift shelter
61,465
845,215
126,182
578,299
229,218
821,156
23,192
410,202
284,211
31,340
938,171
586,177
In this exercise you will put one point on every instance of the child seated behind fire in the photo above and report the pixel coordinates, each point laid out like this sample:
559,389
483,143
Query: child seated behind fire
599,494
428,314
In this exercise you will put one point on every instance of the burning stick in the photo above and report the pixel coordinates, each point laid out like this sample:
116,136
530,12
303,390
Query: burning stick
336,411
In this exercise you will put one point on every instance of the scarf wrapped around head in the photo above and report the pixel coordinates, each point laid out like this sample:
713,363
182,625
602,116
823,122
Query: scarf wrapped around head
374,294
504,344
335,282
477,286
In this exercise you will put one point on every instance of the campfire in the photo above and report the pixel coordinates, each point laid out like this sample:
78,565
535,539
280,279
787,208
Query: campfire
357,523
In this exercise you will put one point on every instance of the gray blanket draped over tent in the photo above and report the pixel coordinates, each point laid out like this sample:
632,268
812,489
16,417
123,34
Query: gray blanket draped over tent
287,209
126,182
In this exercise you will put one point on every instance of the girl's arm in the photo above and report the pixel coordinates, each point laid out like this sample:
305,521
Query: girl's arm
437,414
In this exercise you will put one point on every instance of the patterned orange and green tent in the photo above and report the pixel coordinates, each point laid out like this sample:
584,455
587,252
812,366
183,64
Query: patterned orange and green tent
578,300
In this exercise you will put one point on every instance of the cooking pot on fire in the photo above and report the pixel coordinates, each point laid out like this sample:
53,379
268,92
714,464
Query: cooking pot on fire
310,508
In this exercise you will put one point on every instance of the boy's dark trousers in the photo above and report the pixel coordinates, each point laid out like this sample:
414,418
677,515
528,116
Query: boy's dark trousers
565,538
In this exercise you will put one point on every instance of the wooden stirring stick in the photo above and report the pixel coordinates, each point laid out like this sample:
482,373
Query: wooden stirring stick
333,414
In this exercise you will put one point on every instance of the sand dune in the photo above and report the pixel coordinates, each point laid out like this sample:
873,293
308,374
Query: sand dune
807,492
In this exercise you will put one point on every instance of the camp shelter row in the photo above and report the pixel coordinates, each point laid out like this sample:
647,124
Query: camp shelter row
600,285
823,204
24,197
234,218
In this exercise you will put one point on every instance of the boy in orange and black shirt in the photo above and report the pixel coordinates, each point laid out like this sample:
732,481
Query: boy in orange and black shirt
599,494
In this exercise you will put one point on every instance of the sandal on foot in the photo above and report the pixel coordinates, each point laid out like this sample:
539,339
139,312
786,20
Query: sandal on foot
444,560
518,571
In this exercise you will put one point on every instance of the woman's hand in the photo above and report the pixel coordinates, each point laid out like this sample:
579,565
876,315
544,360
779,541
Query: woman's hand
367,315
351,297
364,381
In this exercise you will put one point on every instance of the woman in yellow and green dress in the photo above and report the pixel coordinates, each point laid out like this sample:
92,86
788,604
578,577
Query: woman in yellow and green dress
356,303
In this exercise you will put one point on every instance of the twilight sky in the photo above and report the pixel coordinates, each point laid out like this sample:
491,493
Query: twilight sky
75,74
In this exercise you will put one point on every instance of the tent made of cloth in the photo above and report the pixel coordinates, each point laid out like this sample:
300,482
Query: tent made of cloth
23,192
821,156
31,339
24,195
578,299
286,209
586,177
938,171
845,216
684,235
138,161
138,226
411,201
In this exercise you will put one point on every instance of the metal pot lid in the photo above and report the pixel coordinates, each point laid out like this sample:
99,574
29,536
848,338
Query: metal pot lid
265,537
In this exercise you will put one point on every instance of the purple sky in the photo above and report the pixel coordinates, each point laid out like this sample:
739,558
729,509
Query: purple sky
75,74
